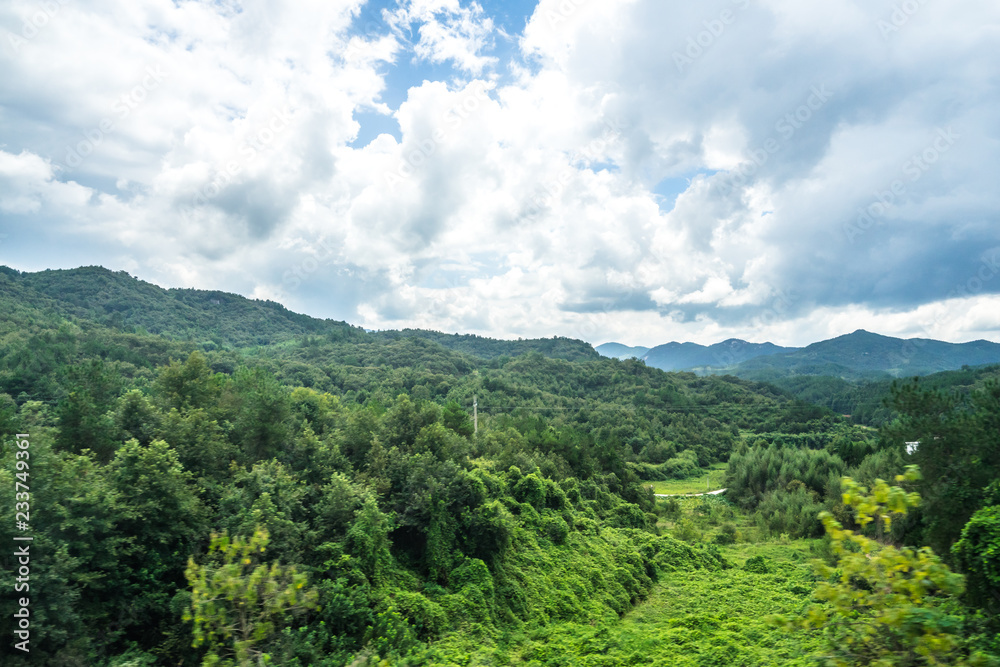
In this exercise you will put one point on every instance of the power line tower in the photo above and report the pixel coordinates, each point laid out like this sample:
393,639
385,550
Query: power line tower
475,415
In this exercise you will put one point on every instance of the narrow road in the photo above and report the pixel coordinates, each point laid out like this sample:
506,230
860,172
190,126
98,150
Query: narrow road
689,495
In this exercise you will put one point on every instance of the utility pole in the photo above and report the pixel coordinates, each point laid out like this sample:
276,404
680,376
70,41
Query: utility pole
475,414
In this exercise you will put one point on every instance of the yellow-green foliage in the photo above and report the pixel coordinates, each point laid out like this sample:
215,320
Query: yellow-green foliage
692,617
590,579
885,605
234,604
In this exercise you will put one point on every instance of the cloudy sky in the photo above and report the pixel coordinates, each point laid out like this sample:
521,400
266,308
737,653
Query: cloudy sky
630,170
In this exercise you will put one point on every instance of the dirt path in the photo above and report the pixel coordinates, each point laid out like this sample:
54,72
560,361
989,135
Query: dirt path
689,495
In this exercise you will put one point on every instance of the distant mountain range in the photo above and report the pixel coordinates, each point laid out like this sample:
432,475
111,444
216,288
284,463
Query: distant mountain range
689,356
858,355
214,319
623,352
728,353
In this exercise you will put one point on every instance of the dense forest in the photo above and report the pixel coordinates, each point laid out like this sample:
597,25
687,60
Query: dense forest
864,400
216,480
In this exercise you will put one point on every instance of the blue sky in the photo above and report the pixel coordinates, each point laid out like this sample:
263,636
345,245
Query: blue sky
630,170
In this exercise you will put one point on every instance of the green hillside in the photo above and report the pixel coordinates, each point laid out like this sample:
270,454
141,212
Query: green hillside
865,400
117,300
727,354
491,348
220,319
267,488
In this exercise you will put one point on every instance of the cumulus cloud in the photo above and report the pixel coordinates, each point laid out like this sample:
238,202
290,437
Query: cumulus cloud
446,31
635,170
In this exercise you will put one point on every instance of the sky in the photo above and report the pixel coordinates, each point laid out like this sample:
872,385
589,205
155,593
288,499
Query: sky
639,171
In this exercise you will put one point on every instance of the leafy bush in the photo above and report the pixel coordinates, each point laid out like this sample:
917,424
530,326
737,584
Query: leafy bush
793,513
555,528
726,535
978,556
885,605
687,531
750,475
757,565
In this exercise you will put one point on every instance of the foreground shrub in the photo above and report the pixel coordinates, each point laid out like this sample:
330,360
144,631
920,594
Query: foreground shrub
886,606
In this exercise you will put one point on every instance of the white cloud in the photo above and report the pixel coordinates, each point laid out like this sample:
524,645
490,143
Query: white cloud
447,31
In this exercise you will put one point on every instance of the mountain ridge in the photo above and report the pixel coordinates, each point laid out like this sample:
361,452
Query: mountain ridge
125,302
863,354
860,354
620,351
676,355
122,301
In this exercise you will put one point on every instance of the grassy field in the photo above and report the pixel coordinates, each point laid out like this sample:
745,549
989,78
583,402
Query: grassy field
691,617
697,618
711,480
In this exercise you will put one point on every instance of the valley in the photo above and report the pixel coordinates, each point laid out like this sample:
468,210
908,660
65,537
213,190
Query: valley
172,429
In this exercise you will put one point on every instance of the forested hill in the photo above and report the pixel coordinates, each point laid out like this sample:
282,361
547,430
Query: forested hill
619,351
326,492
113,317
491,348
117,300
418,538
865,401
215,319
682,356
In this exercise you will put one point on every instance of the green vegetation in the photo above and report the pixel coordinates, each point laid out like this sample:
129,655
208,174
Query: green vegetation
695,618
887,606
234,604
865,400
272,489
707,480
